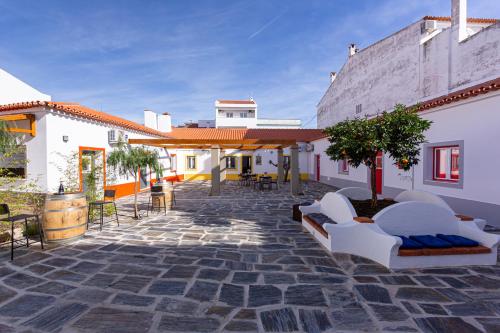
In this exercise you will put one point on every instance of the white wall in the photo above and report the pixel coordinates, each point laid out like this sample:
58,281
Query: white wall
476,121
81,133
13,90
409,67
204,161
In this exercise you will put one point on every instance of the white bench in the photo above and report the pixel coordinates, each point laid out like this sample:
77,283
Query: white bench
356,193
377,242
424,196
333,205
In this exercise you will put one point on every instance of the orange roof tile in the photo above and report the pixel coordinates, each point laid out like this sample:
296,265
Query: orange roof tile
469,20
462,94
78,110
299,135
228,101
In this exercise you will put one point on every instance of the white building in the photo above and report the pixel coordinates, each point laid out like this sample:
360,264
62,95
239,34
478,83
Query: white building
452,67
62,140
13,90
244,114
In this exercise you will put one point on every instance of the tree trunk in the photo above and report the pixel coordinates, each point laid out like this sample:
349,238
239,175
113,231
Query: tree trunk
373,177
136,211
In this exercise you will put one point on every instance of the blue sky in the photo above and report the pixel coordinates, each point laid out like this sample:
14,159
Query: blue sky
179,56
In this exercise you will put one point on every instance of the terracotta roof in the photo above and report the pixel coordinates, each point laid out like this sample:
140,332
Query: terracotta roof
300,135
228,101
78,110
459,95
469,20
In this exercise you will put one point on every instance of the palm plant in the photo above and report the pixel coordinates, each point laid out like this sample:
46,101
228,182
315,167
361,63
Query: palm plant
129,160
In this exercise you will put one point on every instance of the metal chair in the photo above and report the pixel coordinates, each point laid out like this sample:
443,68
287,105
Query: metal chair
4,210
266,181
109,199
157,193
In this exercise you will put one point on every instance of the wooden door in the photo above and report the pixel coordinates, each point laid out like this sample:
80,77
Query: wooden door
318,168
379,172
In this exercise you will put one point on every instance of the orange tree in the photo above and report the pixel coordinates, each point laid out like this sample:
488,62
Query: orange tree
398,133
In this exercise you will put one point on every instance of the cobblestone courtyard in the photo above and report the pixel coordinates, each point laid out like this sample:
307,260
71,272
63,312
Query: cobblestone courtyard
235,263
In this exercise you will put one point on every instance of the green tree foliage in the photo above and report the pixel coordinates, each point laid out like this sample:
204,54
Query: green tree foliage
129,160
7,139
398,133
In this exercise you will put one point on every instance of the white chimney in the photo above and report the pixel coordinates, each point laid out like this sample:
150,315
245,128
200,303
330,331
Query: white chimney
352,50
150,119
459,19
333,76
164,122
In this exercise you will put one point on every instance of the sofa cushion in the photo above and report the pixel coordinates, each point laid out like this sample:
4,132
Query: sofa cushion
458,240
321,218
409,243
431,241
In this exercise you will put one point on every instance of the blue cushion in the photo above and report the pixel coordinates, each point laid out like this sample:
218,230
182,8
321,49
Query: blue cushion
321,218
432,241
458,240
409,243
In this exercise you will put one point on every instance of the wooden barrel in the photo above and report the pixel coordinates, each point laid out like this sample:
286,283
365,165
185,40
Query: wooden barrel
65,217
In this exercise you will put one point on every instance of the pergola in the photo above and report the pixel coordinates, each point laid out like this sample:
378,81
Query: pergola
218,144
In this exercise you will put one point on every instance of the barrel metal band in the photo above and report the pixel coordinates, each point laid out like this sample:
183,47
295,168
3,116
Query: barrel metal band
69,209
67,228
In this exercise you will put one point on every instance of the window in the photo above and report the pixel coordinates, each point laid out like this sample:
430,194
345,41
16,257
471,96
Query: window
14,165
166,162
258,160
243,115
191,162
446,163
230,162
344,166
358,108
229,115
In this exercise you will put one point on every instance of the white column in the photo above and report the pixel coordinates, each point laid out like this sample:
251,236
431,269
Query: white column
215,164
281,169
294,168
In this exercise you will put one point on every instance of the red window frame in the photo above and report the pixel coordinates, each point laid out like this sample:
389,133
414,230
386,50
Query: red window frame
344,166
453,164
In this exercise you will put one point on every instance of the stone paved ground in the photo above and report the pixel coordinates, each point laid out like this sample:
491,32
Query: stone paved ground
233,263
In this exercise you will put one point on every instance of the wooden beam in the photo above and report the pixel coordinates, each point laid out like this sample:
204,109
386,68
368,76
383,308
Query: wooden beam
19,117
14,117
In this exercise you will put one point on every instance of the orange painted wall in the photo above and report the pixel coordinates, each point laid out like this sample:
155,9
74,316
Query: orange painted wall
123,190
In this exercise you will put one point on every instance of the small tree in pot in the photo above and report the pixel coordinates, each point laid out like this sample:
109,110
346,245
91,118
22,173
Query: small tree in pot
129,160
398,133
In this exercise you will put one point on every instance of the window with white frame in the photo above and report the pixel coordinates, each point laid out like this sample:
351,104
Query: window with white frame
166,162
191,162
243,115
230,162
229,115
446,163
